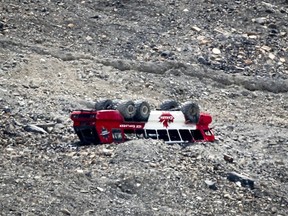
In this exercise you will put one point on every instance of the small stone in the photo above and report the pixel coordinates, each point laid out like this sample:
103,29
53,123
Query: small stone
273,210
202,60
237,68
272,26
204,42
228,196
7,110
211,184
245,180
88,38
60,120
248,62
216,51
106,152
35,129
253,36
228,158
271,56
274,32
71,154
260,20
58,128
195,28
250,33
266,48
21,103
100,189
88,174
65,211
166,54
238,183
70,25
33,85
95,16
37,177
9,149
80,171
240,206
1,26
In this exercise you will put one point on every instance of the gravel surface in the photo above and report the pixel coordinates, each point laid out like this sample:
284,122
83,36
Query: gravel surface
228,56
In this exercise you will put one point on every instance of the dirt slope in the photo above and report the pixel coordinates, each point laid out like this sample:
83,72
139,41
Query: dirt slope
228,56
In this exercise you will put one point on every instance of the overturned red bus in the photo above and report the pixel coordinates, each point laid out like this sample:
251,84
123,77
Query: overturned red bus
112,126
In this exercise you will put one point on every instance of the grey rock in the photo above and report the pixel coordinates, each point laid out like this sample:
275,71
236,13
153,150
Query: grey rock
60,120
245,180
228,158
34,129
203,60
260,20
58,128
33,85
273,32
272,26
211,184
166,54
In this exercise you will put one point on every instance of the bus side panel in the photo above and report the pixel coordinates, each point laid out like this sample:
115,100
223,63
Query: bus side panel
107,131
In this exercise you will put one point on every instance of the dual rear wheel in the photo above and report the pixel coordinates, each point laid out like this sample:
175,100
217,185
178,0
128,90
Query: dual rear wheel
137,111
190,110
140,110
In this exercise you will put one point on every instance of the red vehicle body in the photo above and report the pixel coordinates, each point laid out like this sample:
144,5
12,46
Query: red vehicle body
109,126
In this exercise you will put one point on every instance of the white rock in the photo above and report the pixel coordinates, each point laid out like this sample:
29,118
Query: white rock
100,189
266,48
195,28
216,51
80,171
253,36
9,149
271,56
260,20
35,129
88,38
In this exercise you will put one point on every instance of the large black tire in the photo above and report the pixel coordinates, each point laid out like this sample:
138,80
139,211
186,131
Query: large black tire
191,112
127,109
104,104
169,105
142,111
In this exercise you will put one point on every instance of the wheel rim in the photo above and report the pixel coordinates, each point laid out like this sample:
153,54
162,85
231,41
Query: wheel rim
145,110
193,111
130,109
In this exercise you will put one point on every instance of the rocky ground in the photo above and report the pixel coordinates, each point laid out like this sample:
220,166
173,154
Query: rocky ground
229,56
